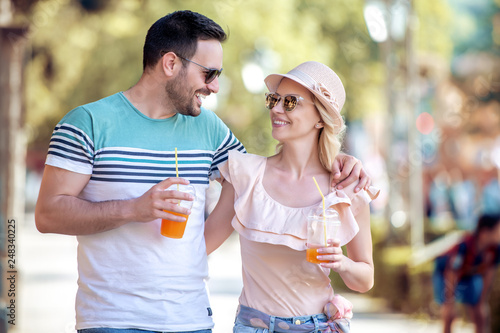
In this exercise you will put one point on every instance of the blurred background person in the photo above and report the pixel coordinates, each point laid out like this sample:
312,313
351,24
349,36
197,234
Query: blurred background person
465,274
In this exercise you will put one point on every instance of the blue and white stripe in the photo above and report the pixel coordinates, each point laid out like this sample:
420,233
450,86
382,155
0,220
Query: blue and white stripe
135,165
71,143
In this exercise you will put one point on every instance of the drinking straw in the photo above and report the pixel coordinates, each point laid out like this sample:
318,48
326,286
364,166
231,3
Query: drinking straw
176,170
324,210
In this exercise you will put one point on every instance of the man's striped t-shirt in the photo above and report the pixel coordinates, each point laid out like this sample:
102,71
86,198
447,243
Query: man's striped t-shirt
132,276
118,146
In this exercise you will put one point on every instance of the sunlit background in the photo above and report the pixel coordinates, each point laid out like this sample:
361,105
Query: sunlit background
423,114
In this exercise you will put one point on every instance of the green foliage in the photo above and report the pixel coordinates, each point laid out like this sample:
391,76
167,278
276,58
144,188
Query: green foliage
434,28
80,56
81,51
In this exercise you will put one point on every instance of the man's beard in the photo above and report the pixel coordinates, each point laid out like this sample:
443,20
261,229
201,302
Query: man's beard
178,94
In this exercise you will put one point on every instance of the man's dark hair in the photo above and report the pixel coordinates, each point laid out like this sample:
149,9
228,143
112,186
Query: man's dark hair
179,32
488,222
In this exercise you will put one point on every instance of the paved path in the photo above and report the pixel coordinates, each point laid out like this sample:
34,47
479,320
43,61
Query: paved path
47,288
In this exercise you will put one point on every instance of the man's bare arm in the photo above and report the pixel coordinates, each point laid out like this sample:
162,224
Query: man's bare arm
60,210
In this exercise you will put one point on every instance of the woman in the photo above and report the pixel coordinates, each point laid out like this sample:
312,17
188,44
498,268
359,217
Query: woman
266,201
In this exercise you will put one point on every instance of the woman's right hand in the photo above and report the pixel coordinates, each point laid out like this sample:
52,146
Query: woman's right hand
334,254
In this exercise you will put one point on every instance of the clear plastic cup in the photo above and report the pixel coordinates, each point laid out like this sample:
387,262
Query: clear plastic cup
174,229
320,228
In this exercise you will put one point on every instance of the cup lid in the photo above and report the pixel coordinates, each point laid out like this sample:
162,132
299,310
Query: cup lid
329,213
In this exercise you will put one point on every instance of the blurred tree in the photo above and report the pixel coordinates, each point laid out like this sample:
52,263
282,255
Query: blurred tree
23,6
84,50
434,28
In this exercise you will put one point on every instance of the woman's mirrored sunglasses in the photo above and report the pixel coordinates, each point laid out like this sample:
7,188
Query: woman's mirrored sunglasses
210,74
289,101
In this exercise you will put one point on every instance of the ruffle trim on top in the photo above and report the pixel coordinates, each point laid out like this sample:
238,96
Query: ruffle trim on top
262,219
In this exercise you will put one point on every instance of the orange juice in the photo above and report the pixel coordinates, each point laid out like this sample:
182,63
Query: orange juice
173,229
322,225
311,256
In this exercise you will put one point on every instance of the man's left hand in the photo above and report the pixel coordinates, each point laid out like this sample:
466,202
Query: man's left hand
347,169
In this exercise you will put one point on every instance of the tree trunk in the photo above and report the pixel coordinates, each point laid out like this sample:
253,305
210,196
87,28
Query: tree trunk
12,168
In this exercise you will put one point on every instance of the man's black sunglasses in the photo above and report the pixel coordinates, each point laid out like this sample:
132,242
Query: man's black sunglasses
210,74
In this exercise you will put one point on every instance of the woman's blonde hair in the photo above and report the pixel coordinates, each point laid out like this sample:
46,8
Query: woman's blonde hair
330,137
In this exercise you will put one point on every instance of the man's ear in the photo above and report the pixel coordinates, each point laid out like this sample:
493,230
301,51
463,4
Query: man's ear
169,63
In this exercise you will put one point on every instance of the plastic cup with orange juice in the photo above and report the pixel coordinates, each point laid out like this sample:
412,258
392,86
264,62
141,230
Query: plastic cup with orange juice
322,225
174,229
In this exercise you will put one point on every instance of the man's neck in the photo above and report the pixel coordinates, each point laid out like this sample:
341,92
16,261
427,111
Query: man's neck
148,96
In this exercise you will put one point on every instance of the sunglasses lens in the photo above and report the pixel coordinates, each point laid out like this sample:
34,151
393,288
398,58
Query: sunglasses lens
271,100
290,102
212,74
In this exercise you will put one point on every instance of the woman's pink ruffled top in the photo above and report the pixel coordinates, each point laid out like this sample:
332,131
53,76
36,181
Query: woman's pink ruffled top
276,276
255,209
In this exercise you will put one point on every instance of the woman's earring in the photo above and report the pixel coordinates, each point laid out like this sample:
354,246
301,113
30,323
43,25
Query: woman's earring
317,125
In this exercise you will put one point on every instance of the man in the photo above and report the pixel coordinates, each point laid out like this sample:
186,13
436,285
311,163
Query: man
108,165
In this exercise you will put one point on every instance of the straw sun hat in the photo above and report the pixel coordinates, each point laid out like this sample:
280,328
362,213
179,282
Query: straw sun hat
321,81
